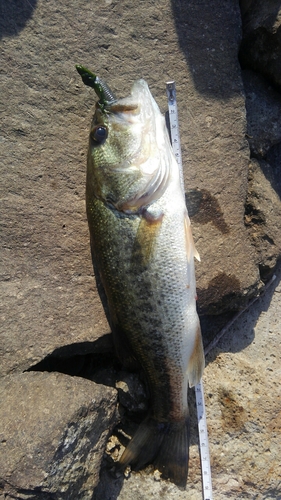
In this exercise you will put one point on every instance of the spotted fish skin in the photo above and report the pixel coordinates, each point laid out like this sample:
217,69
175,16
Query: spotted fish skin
143,255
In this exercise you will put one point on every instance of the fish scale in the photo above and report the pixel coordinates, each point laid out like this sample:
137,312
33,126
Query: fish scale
143,251
121,287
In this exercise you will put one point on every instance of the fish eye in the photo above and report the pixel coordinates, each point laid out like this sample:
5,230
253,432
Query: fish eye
99,134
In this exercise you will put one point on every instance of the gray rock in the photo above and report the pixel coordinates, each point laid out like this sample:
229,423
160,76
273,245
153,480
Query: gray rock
131,392
50,299
261,46
273,157
263,105
263,207
53,432
263,216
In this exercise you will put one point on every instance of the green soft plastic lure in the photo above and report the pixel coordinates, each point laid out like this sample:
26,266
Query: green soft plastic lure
105,95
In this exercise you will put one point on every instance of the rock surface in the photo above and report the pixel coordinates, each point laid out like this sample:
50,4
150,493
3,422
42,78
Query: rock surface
51,315
263,106
263,216
50,296
261,46
263,205
243,402
53,432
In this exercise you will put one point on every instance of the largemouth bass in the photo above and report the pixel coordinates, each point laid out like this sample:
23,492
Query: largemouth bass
143,254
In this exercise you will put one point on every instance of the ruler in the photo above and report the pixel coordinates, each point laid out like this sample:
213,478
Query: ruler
199,391
174,127
203,442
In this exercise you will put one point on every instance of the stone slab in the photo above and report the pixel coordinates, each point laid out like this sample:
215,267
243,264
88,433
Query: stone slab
49,296
53,432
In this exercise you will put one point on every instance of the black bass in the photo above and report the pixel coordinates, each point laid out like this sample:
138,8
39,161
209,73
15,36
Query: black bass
143,254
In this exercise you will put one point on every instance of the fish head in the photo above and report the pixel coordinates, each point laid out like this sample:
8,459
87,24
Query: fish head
130,155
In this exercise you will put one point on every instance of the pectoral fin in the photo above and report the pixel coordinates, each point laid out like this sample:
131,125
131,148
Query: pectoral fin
146,237
190,246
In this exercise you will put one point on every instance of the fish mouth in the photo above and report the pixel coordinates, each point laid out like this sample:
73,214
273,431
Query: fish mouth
119,107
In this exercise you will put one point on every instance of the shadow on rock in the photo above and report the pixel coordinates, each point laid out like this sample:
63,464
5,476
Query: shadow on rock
260,48
110,483
209,49
203,207
14,15
273,174
241,333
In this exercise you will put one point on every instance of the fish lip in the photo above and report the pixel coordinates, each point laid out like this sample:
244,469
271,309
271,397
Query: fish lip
118,107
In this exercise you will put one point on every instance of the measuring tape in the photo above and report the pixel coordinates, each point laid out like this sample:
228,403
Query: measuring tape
199,391
174,127
203,442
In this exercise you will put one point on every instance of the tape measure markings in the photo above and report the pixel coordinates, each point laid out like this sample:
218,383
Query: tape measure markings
174,126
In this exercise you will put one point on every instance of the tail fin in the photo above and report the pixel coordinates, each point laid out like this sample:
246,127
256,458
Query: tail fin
164,444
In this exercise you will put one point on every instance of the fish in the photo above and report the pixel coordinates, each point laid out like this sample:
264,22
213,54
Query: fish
143,255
